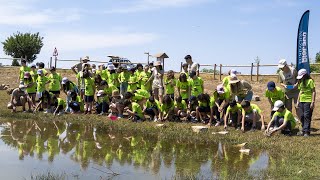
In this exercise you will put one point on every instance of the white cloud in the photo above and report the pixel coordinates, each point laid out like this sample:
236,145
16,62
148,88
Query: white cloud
22,12
147,5
75,41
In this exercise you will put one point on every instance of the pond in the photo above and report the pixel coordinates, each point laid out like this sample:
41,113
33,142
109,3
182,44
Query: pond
82,151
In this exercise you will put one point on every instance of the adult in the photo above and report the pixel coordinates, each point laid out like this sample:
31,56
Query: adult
240,89
157,81
79,65
288,80
192,66
19,97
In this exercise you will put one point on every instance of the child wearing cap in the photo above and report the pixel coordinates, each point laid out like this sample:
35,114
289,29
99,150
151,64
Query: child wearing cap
167,109
185,69
41,83
133,81
76,103
234,114
306,100
240,89
274,93
89,92
134,110
102,104
54,82
151,108
170,83
203,108
226,80
123,80
219,103
41,66
68,87
282,120
31,88
24,68
195,84
251,113
183,87
180,108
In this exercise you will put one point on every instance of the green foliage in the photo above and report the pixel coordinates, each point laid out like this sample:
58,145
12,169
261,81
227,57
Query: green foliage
15,62
205,70
315,68
23,45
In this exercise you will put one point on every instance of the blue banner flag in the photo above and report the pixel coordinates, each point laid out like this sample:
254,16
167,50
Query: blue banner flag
302,43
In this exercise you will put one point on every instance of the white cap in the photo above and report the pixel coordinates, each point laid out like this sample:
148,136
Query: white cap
220,89
110,67
301,73
233,71
64,80
39,71
233,79
277,105
100,92
157,63
282,63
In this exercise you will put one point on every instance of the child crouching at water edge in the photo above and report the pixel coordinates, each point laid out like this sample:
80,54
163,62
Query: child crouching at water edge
233,114
251,113
192,109
151,108
134,110
203,110
117,104
180,108
102,104
167,109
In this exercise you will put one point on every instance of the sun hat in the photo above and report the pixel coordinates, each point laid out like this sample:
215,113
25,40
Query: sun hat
115,93
64,80
110,67
271,86
301,73
39,71
278,104
233,79
26,74
33,66
86,58
282,63
22,86
220,89
157,63
233,71
100,93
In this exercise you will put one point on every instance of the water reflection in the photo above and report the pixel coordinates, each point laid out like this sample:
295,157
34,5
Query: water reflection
86,144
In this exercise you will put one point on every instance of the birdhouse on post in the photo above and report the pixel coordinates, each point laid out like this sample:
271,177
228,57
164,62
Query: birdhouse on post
160,57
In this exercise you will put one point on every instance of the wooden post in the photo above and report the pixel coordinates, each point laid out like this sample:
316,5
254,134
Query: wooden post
214,71
55,61
251,77
181,67
257,71
220,72
50,62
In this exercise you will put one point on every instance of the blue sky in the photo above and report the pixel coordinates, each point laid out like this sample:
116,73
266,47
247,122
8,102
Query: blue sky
212,31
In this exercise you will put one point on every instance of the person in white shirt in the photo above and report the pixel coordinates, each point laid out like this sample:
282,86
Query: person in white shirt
192,66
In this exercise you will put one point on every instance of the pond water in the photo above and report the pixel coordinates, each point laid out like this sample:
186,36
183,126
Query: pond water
82,151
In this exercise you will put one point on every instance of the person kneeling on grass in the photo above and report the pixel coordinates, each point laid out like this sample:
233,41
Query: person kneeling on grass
134,110
117,104
76,103
48,100
192,109
60,106
233,114
204,108
274,93
19,97
167,109
251,113
282,120
151,108
180,108
102,105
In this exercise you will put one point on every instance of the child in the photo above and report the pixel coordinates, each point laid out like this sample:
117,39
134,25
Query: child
170,83
192,108
47,100
195,84
144,77
113,76
282,120
133,81
183,87
151,108
76,103
54,82
41,85
68,87
180,108
24,68
226,80
41,66
274,93
31,88
89,92
251,113
139,70
80,78
167,109
141,96
60,105
123,79
221,97
134,110
234,114
185,69
204,107
97,82
306,100
102,105
116,105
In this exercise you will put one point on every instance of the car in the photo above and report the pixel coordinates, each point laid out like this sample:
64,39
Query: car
116,61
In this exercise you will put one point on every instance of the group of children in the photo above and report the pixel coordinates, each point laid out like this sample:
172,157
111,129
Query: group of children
118,91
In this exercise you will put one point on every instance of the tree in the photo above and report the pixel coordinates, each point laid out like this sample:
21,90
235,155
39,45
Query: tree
15,62
205,70
24,45
317,57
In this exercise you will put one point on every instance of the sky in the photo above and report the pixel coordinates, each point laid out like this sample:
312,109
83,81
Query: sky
224,32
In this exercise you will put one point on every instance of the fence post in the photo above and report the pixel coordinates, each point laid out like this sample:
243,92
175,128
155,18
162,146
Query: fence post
257,71
214,71
181,67
55,61
220,72
251,72
50,62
